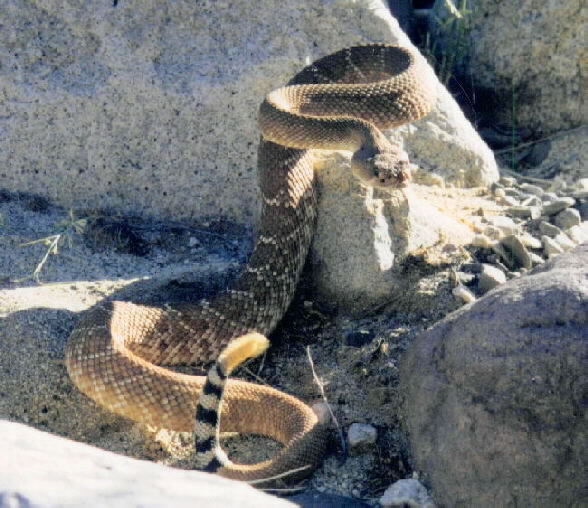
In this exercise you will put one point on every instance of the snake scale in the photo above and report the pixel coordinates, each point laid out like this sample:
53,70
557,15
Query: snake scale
116,353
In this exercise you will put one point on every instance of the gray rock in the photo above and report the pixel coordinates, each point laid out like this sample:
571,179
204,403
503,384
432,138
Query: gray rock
361,436
533,47
490,277
549,229
495,393
155,114
567,158
532,189
551,247
557,206
518,251
568,218
525,212
579,233
45,471
406,493
160,120
505,224
463,293
531,201
564,241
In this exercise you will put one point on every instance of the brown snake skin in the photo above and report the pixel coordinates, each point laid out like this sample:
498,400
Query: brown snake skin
115,353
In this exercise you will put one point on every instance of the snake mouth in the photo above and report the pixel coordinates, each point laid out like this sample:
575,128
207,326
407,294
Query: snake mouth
383,170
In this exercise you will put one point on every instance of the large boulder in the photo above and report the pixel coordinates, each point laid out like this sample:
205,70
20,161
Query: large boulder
150,110
495,394
42,470
530,55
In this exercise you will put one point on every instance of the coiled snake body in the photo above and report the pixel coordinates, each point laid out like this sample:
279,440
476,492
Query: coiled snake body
115,353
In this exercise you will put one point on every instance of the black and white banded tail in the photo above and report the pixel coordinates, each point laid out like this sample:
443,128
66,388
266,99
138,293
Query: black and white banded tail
210,457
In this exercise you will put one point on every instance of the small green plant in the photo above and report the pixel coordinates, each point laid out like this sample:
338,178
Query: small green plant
452,31
67,229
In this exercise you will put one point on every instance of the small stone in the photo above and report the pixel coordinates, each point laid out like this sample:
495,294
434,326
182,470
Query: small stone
579,233
490,277
549,196
532,212
507,181
532,189
581,194
193,242
531,201
505,224
548,229
518,250
509,201
550,246
499,192
536,259
360,436
564,241
490,232
464,278
568,218
464,294
500,254
530,241
321,410
482,241
582,184
558,205
407,493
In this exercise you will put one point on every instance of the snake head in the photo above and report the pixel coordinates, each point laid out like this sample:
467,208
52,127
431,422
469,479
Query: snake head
388,169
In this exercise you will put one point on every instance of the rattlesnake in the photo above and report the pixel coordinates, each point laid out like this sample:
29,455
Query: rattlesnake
113,355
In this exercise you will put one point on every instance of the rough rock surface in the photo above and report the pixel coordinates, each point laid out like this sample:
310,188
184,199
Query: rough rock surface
537,50
147,109
564,156
495,394
41,470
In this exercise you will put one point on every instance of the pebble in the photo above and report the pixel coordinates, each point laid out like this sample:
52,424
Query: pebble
507,181
499,192
558,205
531,201
505,224
490,277
525,212
568,218
464,294
582,184
321,410
407,493
509,201
581,194
532,189
536,259
550,246
579,233
490,232
564,241
549,196
530,241
482,241
518,250
548,229
360,436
